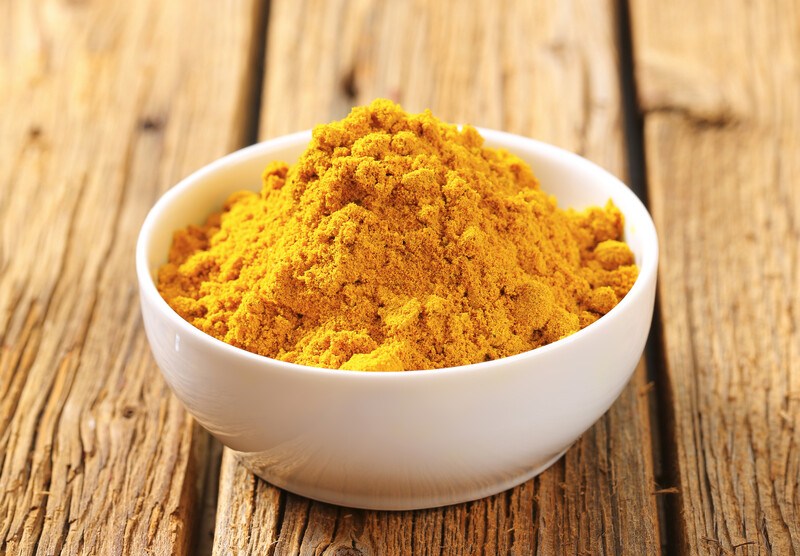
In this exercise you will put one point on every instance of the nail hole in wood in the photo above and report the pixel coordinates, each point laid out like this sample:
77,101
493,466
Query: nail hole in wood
349,84
150,124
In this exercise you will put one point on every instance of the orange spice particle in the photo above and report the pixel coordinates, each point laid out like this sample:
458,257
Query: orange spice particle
397,242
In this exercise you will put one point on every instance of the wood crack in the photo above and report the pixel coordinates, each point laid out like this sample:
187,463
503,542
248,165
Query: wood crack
699,120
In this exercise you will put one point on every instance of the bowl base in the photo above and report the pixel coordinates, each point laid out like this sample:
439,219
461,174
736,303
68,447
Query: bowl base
384,501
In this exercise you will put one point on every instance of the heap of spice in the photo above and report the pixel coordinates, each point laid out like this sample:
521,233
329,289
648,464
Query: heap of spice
397,242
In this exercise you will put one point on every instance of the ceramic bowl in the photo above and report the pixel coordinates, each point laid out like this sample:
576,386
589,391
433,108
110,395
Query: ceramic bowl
398,440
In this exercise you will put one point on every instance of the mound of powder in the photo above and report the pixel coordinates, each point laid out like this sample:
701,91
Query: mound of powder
397,242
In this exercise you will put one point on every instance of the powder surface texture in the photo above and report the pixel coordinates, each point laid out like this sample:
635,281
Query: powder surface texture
397,242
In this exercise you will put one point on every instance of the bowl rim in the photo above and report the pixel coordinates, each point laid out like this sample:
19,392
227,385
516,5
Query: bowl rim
647,267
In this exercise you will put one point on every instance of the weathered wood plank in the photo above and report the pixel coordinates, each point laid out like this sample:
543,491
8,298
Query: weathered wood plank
549,70
718,84
104,105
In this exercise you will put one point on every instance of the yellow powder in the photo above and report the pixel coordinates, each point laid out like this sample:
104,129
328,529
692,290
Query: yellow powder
397,242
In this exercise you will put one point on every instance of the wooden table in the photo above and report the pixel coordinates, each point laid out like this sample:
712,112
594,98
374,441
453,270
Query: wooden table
107,104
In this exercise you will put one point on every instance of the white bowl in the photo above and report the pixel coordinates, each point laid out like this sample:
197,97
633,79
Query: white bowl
407,439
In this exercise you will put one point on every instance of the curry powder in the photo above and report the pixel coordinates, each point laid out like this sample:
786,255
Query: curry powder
397,242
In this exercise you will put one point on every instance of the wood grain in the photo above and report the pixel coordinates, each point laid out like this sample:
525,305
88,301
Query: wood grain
718,84
104,105
548,70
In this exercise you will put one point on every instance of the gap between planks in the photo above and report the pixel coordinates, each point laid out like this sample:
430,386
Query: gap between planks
653,355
